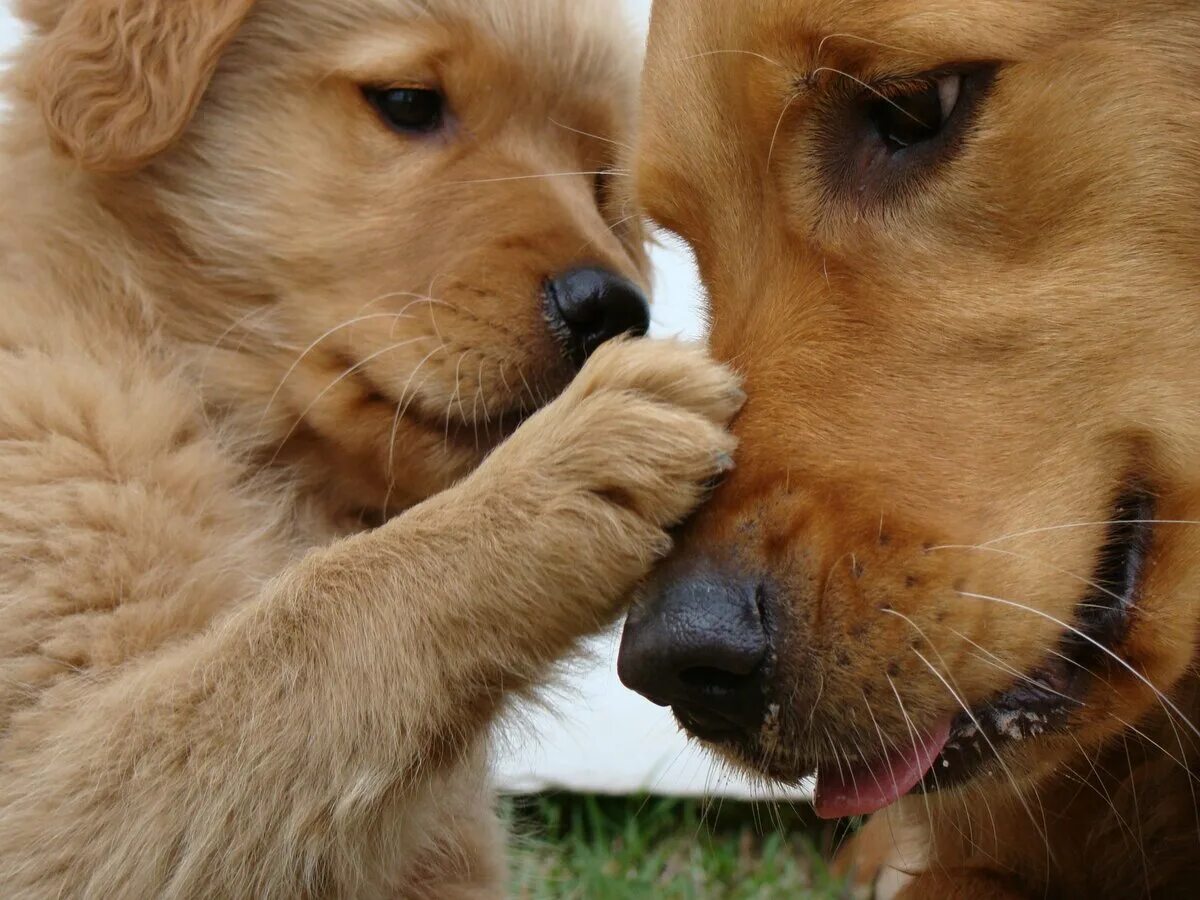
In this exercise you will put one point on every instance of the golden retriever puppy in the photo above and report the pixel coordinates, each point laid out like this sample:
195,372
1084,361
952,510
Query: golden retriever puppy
276,278
954,248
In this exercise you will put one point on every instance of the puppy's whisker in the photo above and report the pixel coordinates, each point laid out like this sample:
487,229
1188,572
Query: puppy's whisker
392,295
402,407
591,242
1137,806
457,395
508,391
478,395
239,322
622,221
529,392
357,367
211,350
487,416
349,323
590,134
614,172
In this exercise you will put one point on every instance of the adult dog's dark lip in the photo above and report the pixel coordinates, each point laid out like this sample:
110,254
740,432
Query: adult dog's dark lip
1044,701
711,730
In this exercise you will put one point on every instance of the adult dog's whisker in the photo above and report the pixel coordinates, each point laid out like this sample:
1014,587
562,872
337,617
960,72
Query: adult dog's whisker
841,35
965,708
709,53
883,744
1163,698
1048,529
867,86
912,734
995,752
1129,726
990,658
792,98
1024,557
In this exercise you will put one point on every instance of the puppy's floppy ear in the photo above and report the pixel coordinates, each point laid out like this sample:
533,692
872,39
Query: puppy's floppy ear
41,14
119,80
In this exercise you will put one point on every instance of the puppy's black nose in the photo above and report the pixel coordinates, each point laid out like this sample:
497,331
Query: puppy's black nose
701,648
587,307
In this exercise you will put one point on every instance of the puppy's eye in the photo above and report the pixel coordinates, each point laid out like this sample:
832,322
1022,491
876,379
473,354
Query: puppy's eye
409,110
914,118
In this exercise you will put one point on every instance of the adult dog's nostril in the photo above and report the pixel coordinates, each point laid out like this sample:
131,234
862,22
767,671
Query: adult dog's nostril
701,647
587,307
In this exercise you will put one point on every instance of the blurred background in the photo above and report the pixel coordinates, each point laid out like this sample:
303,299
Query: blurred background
612,801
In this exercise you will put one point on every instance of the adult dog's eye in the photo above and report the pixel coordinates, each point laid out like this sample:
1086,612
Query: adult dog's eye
409,110
916,117
883,142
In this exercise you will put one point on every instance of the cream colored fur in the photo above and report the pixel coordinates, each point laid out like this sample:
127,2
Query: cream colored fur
243,323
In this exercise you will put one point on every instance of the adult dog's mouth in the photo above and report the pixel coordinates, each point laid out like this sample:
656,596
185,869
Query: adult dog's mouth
970,745
1043,702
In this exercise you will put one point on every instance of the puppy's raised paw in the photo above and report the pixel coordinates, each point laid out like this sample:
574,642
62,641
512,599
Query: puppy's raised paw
628,451
673,372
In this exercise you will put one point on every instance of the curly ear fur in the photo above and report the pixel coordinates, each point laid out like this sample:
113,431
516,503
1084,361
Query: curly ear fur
42,15
119,80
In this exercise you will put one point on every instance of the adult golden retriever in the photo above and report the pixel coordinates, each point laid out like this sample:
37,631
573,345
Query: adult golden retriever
954,248
272,273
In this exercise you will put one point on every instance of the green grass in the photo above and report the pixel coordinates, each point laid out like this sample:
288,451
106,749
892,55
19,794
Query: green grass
624,849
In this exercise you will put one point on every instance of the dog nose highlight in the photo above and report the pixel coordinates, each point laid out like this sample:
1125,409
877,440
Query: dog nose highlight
589,306
701,648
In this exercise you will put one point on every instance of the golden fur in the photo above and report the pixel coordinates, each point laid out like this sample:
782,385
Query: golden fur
949,385
243,322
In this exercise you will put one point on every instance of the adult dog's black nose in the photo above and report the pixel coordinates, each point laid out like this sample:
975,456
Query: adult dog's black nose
701,648
587,307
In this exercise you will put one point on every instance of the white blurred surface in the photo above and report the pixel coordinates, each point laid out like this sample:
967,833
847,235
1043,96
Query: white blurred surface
10,31
595,736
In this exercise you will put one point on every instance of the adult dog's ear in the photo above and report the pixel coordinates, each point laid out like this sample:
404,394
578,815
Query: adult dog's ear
119,80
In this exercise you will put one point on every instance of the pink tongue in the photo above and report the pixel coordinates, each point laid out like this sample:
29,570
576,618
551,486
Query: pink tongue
869,787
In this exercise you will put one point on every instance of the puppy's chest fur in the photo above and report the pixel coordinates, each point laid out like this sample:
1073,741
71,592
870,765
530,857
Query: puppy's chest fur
129,522
128,519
